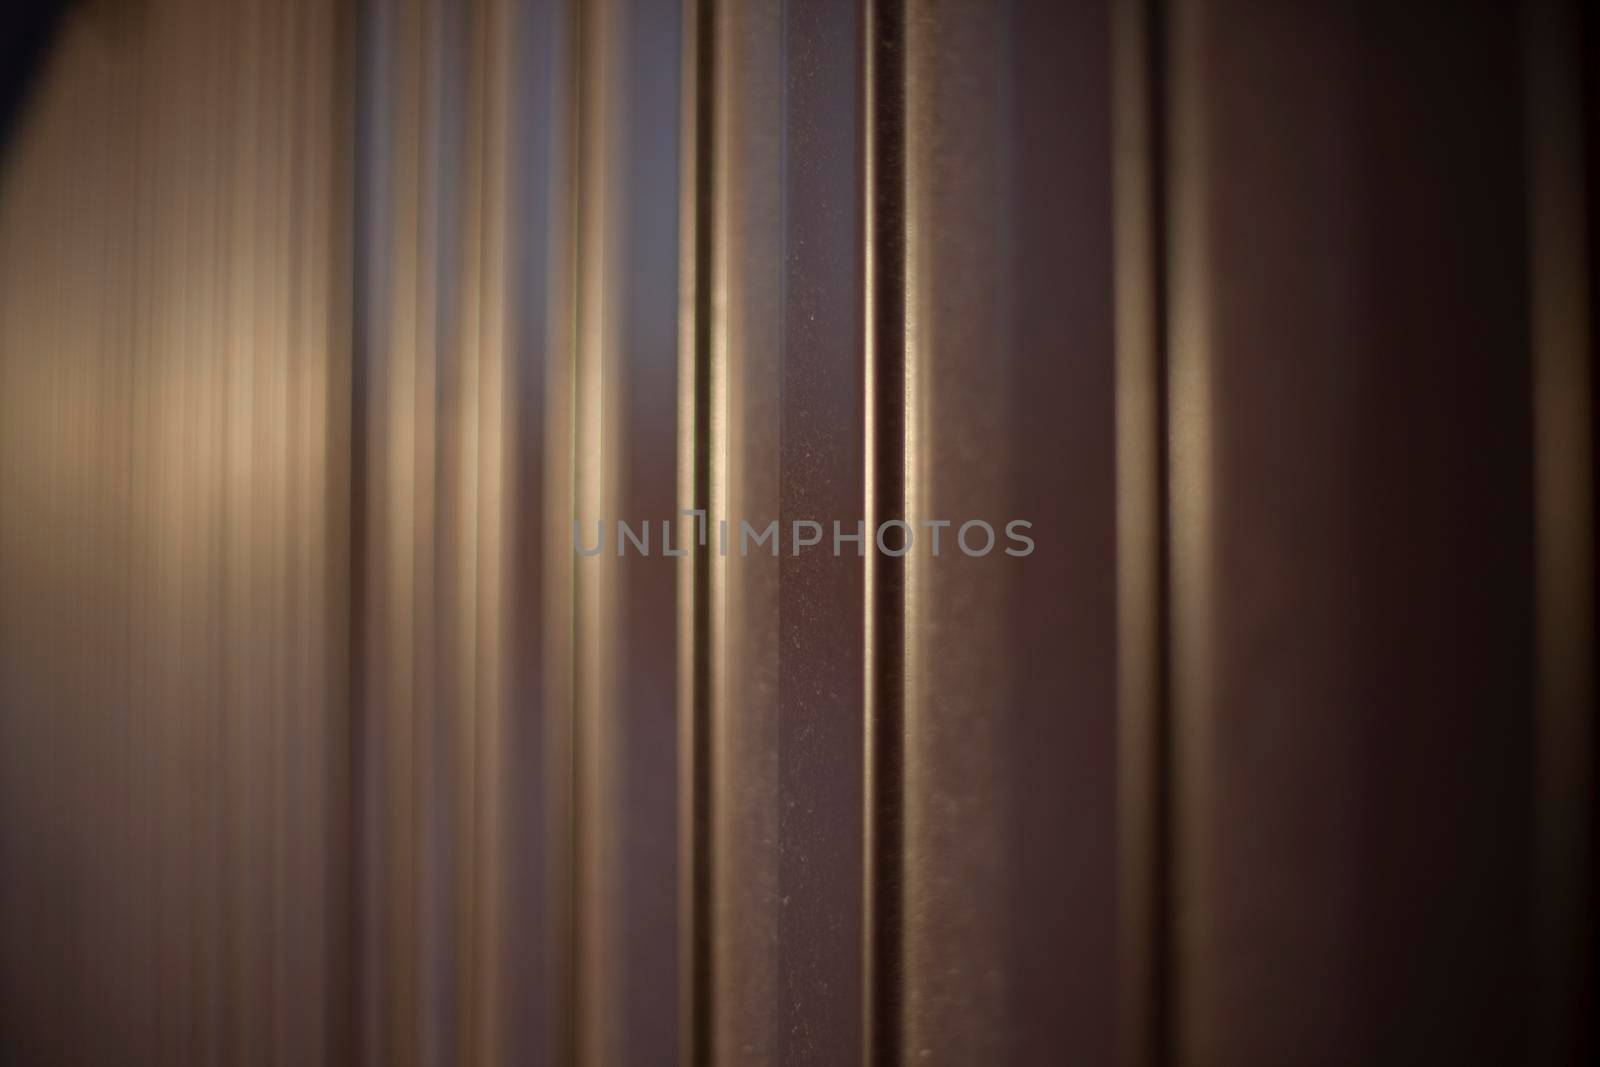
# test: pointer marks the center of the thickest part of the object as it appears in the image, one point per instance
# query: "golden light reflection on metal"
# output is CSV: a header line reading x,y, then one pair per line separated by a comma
x,y
598,759
1190,463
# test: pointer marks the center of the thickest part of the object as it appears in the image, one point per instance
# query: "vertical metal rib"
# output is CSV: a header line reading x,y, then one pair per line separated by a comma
x,y
1183,309
885,501
596,727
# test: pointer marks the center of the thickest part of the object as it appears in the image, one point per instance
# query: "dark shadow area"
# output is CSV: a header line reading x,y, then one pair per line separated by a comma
x,y
27,29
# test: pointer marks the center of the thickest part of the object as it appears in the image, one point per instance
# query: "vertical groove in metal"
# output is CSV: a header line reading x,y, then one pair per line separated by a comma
x,y
699,1023
1144,760
886,484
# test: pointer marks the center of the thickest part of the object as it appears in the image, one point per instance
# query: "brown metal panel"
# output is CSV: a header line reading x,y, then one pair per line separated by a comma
x,y
1010,665
1062,606
786,445
1352,544
170,540
820,474
646,74
744,226
321,741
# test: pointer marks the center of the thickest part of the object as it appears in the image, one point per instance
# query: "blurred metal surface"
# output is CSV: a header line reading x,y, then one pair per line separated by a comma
x,y
1352,554
174,390
320,324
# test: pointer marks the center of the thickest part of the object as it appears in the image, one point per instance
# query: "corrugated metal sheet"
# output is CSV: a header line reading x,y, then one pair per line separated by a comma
x,y
321,325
